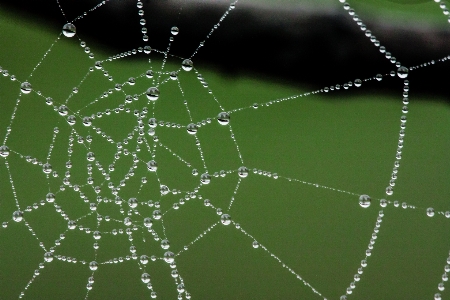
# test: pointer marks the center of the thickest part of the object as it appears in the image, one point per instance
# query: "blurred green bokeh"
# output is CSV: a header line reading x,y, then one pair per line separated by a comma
x,y
345,143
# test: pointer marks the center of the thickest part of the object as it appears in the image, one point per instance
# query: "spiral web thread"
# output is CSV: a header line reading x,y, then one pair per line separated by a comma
x,y
143,146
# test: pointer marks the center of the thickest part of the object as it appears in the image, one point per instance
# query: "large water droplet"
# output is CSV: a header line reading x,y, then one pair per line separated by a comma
x,y
50,197
69,30
132,202
18,216
164,190
48,256
430,212
152,166
4,151
243,172
148,222
223,118
364,201
205,178
93,265
192,128
153,93
174,30
145,278
187,65
402,72
47,168
225,219
169,257
25,87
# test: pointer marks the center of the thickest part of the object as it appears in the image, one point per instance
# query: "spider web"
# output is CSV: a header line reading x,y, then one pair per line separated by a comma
x,y
142,175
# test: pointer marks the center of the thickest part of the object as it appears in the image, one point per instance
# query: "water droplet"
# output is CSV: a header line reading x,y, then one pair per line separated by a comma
x,y
145,277
243,172
389,190
90,156
223,118
174,30
173,75
164,189
169,257
4,151
379,77
157,215
132,202
148,222
97,235
50,197
153,93
47,168
357,82
402,72
225,219
364,201
72,224
383,202
187,65
205,178
255,244
93,265
18,216
144,259
165,244
430,212
69,30
192,128
71,120
152,166
87,121
48,256
63,110
25,87
149,74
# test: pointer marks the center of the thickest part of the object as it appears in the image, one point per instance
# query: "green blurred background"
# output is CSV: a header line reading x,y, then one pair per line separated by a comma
x,y
345,142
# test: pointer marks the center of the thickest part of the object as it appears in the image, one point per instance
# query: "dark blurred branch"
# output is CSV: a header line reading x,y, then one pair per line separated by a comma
x,y
299,45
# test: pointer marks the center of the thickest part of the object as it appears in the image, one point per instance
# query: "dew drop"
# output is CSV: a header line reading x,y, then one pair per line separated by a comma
x,y
187,65
18,216
132,202
148,222
223,118
169,257
4,151
165,244
90,156
364,201
48,256
192,128
152,166
255,244
174,30
25,87
72,224
402,72
243,172
69,30
47,168
225,219
153,93
93,265
50,197
205,178
145,277
164,189
430,212
63,110
357,82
